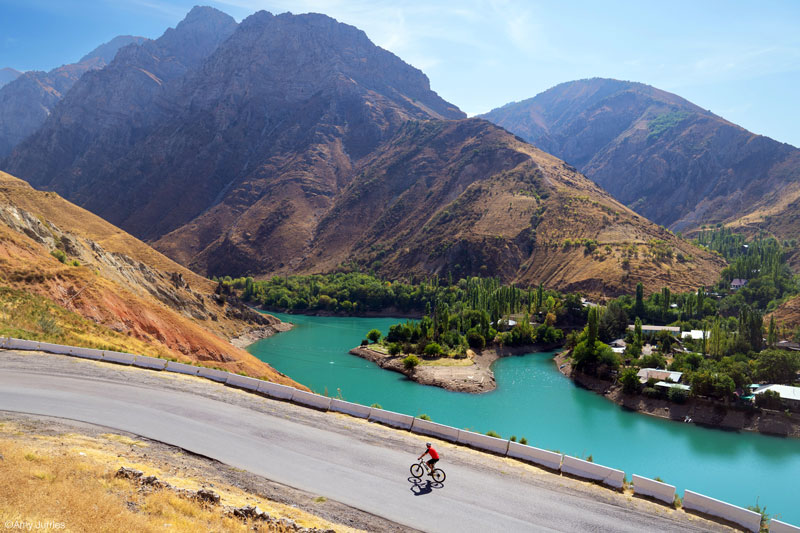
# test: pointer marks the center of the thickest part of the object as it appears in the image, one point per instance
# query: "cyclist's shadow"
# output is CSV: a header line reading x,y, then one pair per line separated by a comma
x,y
422,488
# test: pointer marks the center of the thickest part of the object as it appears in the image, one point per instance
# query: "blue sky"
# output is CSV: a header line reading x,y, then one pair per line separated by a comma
x,y
740,59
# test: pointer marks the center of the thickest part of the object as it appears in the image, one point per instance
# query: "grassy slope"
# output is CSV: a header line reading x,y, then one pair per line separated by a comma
x,y
50,300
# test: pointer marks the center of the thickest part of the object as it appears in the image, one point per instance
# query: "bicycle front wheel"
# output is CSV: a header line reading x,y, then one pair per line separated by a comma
x,y
438,475
417,470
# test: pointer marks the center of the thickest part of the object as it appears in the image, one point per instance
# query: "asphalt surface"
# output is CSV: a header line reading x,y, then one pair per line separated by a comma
x,y
325,454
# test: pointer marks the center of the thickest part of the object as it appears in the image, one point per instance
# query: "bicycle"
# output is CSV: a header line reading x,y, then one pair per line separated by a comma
x,y
417,469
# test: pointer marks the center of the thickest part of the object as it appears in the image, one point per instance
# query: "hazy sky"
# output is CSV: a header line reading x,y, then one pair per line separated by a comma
x,y
740,59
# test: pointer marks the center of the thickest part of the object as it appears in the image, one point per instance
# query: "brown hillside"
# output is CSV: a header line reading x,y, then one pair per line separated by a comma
x,y
467,198
130,303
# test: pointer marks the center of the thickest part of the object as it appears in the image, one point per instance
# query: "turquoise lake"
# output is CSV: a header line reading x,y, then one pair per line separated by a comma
x,y
534,400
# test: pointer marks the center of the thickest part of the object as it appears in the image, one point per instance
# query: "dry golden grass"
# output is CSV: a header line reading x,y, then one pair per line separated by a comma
x,y
69,479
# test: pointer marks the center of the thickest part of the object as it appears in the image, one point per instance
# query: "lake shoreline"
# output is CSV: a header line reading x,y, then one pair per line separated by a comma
x,y
475,378
701,412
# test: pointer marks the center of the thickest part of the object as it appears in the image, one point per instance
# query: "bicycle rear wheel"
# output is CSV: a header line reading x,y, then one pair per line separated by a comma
x,y
438,475
417,470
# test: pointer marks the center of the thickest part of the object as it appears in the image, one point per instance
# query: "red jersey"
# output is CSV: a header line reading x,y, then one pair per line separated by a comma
x,y
433,453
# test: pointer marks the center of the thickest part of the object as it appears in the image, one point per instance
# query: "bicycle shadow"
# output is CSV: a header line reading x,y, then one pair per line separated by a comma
x,y
423,488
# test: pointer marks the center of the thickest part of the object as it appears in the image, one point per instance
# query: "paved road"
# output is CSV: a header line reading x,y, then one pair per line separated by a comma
x,y
319,458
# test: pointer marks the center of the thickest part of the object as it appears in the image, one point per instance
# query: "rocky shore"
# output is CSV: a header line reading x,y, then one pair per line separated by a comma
x,y
256,334
700,411
473,375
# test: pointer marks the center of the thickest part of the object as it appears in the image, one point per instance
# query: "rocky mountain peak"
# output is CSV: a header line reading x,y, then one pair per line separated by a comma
x,y
198,34
8,74
107,51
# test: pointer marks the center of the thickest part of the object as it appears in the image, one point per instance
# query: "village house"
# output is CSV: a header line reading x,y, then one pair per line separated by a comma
x,y
646,374
737,284
673,330
790,396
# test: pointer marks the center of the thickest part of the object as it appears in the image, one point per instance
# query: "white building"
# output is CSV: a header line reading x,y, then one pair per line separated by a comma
x,y
646,374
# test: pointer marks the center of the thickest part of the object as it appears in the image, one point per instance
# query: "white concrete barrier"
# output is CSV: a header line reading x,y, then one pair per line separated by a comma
x,y
390,418
750,520
350,408
213,374
87,353
551,460
243,382
273,390
3,341
311,400
182,368
585,469
776,526
426,427
20,344
483,442
118,357
54,348
655,489
153,363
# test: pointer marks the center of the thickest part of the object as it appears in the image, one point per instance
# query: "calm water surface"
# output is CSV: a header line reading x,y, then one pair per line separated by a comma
x,y
535,401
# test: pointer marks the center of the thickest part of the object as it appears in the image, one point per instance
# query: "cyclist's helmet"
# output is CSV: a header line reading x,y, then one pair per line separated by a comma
x,y
428,444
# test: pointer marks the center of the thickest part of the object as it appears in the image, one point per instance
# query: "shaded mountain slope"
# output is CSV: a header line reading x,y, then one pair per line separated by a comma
x,y
282,107
129,296
663,156
27,100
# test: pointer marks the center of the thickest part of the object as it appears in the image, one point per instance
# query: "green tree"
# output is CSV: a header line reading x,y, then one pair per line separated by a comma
x,y
638,308
630,381
772,335
777,366
374,335
592,328
432,349
410,362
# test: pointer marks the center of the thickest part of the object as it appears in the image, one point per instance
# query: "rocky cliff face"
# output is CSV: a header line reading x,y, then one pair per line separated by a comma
x,y
668,159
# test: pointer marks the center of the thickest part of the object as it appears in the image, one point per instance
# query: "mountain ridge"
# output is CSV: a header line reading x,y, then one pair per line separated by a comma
x,y
297,145
670,160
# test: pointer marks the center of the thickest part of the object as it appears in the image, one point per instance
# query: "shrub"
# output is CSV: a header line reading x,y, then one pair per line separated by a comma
x,y
677,395
395,348
432,349
493,434
60,255
768,400
410,362
424,417
475,339
376,406
513,438
651,392
374,335
630,381
523,441
364,342
75,263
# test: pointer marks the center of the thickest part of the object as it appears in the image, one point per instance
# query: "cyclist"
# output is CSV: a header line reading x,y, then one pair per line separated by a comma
x,y
434,457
